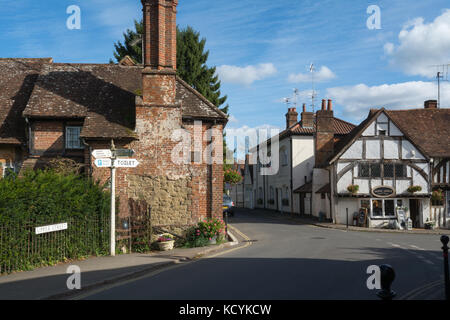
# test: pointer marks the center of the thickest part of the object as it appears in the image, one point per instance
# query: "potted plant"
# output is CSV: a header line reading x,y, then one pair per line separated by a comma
x,y
414,189
353,188
285,202
429,224
271,202
166,242
260,201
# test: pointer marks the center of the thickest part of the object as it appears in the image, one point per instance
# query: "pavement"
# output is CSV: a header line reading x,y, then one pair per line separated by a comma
x,y
51,282
315,222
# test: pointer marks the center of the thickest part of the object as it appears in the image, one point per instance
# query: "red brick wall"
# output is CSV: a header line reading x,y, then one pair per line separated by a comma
x,y
48,136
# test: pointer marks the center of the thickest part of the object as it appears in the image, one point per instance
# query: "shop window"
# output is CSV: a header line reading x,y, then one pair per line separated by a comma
x,y
377,208
388,170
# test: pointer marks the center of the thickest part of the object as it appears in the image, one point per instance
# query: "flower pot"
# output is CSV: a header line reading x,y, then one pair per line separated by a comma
x,y
212,241
166,245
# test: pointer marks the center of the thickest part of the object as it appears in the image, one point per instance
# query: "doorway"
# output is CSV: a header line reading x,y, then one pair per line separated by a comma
x,y
414,210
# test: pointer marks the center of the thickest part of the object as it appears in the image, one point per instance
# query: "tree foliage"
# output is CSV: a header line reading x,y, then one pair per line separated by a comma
x,y
191,61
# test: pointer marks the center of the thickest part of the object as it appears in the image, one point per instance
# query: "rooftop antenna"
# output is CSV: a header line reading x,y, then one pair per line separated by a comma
x,y
312,69
296,93
287,101
441,75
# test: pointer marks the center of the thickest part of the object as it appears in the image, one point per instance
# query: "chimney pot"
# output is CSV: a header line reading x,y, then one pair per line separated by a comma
x,y
330,105
324,102
304,107
291,117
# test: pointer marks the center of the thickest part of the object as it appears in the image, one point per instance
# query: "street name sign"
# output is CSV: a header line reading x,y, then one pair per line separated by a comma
x,y
103,163
126,163
102,153
51,228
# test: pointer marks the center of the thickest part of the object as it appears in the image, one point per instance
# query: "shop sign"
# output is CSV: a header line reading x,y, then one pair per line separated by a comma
x,y
383,192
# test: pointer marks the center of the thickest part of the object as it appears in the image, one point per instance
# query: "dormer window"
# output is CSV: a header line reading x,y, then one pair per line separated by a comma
x,y
381,132
73,140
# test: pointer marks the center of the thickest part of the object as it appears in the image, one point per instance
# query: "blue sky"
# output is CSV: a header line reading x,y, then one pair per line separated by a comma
x,y
263,48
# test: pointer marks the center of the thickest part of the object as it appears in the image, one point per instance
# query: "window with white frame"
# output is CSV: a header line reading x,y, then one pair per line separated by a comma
x,y
73,140
7,170
381,208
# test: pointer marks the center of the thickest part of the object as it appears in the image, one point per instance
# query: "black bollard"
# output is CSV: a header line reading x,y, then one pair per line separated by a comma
x,y
387,277
226,222
444,240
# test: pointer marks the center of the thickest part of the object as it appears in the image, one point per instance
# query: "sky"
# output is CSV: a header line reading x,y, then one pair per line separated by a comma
x,y
367,54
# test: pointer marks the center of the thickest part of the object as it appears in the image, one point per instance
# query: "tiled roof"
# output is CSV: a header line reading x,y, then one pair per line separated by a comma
x,y
17,78
306,188
340,126
102,94
428,128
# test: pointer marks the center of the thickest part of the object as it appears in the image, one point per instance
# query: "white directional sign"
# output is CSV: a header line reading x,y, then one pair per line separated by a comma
x,y
102,153
103,163
126,163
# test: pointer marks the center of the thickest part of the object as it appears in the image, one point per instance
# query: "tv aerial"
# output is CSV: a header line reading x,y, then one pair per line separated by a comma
x,y
441,76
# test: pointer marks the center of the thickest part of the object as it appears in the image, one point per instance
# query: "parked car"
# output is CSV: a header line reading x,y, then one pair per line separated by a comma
x,y
228,205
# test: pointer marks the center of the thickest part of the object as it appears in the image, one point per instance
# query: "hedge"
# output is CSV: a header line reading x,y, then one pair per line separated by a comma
x,y
43,198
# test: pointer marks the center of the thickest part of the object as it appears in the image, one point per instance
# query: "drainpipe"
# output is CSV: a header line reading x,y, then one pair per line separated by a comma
x,y
90,155
292,183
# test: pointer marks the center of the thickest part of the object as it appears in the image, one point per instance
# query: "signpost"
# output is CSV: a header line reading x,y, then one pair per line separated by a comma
x,y
108,159
103,163
102,153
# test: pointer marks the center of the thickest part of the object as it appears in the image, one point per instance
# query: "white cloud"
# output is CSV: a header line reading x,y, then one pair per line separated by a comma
x,y
357,100
422,45
324,74
245,75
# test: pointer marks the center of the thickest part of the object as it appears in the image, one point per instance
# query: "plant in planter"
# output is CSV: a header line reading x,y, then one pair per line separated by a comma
x,y
272,202
285,202
414,189
208,231
166,242
429,224
353,188
260,201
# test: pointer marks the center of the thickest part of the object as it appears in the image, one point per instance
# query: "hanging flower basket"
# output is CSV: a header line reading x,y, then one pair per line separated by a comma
x,y
353,188
414,189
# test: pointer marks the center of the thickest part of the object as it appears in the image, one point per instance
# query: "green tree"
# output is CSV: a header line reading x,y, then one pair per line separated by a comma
x,y
191,61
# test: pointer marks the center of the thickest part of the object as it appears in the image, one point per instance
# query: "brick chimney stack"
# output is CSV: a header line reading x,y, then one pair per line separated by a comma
x,y
160,51
324,134
291,117
307,118
431,104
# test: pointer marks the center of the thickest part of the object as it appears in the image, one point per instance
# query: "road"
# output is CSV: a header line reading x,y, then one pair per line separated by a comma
x,y
289,261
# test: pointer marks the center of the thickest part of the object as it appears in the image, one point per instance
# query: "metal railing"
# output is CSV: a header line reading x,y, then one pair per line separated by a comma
x,y
22,249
